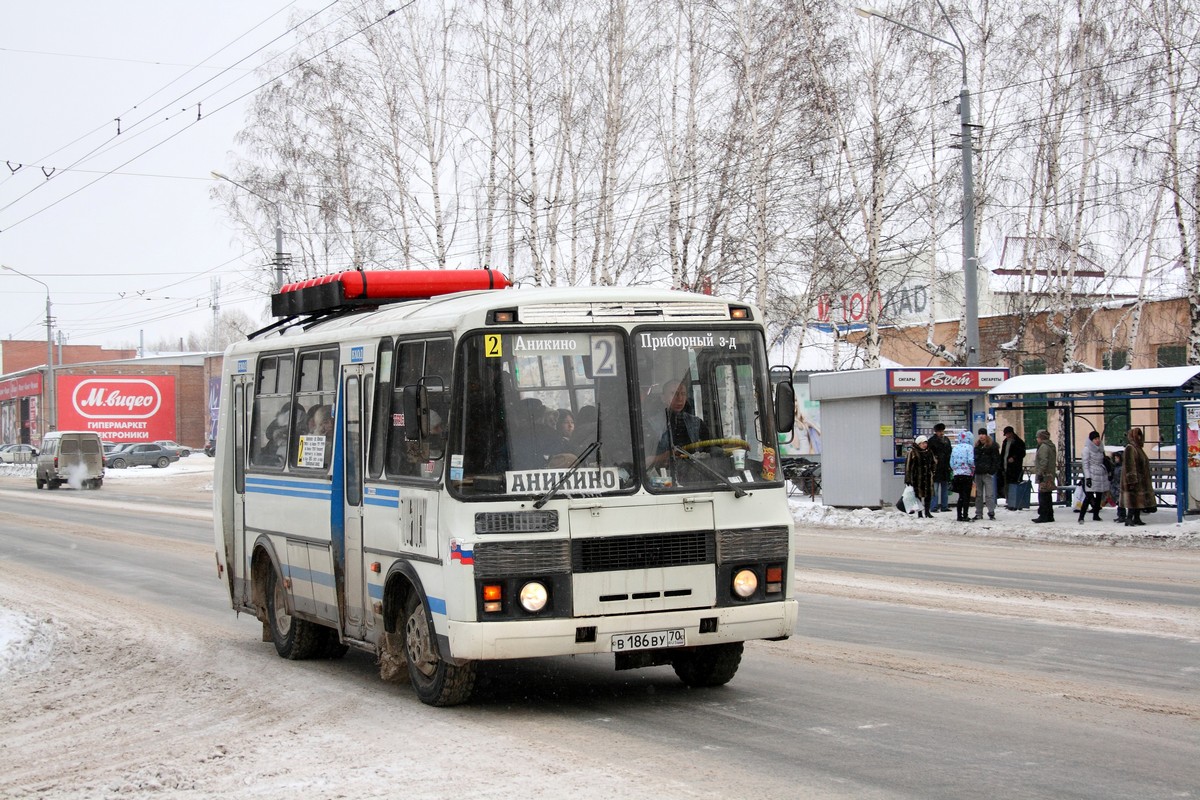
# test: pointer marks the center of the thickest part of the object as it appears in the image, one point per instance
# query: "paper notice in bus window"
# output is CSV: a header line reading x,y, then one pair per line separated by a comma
x,y
312,451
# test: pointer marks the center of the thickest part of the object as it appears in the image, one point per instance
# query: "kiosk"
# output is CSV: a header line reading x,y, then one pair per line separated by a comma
x,y
871,417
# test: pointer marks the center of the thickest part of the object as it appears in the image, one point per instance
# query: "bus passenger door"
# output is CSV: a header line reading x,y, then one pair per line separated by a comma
x,y
238,564
352,438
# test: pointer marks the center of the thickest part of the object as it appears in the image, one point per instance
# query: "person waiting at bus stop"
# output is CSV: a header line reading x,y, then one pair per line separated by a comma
x,y
1045,469
1095,476
987,464
918,473
1137,490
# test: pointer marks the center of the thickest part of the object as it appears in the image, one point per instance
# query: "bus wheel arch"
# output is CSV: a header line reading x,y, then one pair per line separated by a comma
x,y
294,638
436,679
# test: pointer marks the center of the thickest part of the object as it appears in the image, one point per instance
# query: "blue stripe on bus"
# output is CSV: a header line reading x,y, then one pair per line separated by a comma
x,y
385,502
382,491
437,605
314,493
323,483
310,576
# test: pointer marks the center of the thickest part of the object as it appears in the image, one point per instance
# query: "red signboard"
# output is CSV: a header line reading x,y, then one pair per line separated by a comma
x,y
123,408
941,381
25,386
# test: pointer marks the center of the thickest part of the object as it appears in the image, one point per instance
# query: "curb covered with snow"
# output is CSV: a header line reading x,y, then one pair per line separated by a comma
x,y
1160,529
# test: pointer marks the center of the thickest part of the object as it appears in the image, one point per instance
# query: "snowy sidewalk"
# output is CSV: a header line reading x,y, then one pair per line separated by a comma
x,y
1161,527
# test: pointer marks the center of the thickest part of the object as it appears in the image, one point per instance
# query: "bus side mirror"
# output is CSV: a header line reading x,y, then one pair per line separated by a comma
x,y
785,407
433,410
412,413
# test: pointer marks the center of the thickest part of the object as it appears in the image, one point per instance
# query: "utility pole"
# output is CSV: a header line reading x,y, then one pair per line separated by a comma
x,y
216,311
970,260
50,414
280,256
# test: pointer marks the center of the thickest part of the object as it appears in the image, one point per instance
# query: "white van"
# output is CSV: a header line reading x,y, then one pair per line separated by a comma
x,y
73,457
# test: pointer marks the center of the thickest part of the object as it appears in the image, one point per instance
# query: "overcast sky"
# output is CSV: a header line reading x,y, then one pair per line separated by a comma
x,y
124,232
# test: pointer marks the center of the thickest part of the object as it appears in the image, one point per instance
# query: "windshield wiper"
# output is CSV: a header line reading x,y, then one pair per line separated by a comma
x,y
686,456
587,451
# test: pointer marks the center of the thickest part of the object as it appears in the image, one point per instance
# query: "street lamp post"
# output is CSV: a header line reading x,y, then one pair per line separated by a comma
x,y
970,261
52,412
278,225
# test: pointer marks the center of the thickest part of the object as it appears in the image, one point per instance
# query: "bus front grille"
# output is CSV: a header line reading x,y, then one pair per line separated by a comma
x,y
649,551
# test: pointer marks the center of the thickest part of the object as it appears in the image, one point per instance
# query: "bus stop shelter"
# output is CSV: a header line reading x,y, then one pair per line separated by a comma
x,y
1081,397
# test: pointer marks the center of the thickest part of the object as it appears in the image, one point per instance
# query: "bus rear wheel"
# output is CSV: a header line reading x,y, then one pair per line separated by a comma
x,y
711,665
294,638
436,682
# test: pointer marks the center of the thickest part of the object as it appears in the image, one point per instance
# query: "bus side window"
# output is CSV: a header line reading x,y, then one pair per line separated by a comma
x,y
419,363
316,394
381,408
274,412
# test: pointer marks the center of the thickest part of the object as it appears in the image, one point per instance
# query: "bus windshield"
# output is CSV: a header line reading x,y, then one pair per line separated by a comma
x,y
531,404
703,418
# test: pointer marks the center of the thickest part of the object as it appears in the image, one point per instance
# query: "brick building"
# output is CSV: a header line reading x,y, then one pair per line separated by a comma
x,y
124,399
17,355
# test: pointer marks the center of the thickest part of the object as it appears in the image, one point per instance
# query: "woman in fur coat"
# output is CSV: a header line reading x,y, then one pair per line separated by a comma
x,y
1136,490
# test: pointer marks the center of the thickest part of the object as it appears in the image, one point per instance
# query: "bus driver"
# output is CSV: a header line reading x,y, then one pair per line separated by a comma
x,y
682,427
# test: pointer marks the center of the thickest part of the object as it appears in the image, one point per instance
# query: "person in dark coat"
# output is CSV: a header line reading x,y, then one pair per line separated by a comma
x,y
1045,469
918,472
987,464
1137,491
1012,459
940,445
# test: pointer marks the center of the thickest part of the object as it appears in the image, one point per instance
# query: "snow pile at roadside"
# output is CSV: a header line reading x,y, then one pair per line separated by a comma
x,y
1160,528
193,464
25,643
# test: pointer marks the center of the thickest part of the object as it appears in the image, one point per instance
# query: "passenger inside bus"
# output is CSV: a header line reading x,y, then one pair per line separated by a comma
x,y
320,423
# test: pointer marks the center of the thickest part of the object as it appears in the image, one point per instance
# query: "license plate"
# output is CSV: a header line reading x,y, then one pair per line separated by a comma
x,y
650,640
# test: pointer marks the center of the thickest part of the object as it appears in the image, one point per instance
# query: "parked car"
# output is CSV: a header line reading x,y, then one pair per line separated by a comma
x,y
180,450
18,454
136,455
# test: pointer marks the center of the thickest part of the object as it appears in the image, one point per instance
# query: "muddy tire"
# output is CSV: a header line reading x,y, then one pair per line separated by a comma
x,y
118,463
295,639
436,682
712,665
163,462
41,484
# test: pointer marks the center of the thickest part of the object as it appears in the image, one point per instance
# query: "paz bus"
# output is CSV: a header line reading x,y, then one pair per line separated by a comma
x,y
442,470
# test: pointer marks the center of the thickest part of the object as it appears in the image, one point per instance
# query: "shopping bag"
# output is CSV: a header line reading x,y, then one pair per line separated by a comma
x,y
1080,496
909,500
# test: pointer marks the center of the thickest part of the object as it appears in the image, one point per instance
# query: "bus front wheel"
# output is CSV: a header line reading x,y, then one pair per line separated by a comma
x,y
711,665
294,638
436,682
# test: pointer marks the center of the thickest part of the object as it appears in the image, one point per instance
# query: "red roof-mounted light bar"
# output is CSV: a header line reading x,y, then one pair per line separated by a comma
x,y
357,288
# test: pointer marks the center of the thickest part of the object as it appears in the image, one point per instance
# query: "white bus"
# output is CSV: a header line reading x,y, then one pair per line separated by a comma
x,y
440,469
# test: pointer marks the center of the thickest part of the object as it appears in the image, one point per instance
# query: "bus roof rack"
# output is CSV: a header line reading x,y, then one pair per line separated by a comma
x,y
355,289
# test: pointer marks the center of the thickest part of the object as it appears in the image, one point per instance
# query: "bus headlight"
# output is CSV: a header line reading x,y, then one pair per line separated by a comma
x,y
534,597
745,583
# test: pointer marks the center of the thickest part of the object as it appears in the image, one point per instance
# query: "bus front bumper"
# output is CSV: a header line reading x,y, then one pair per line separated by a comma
x,y
534,638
